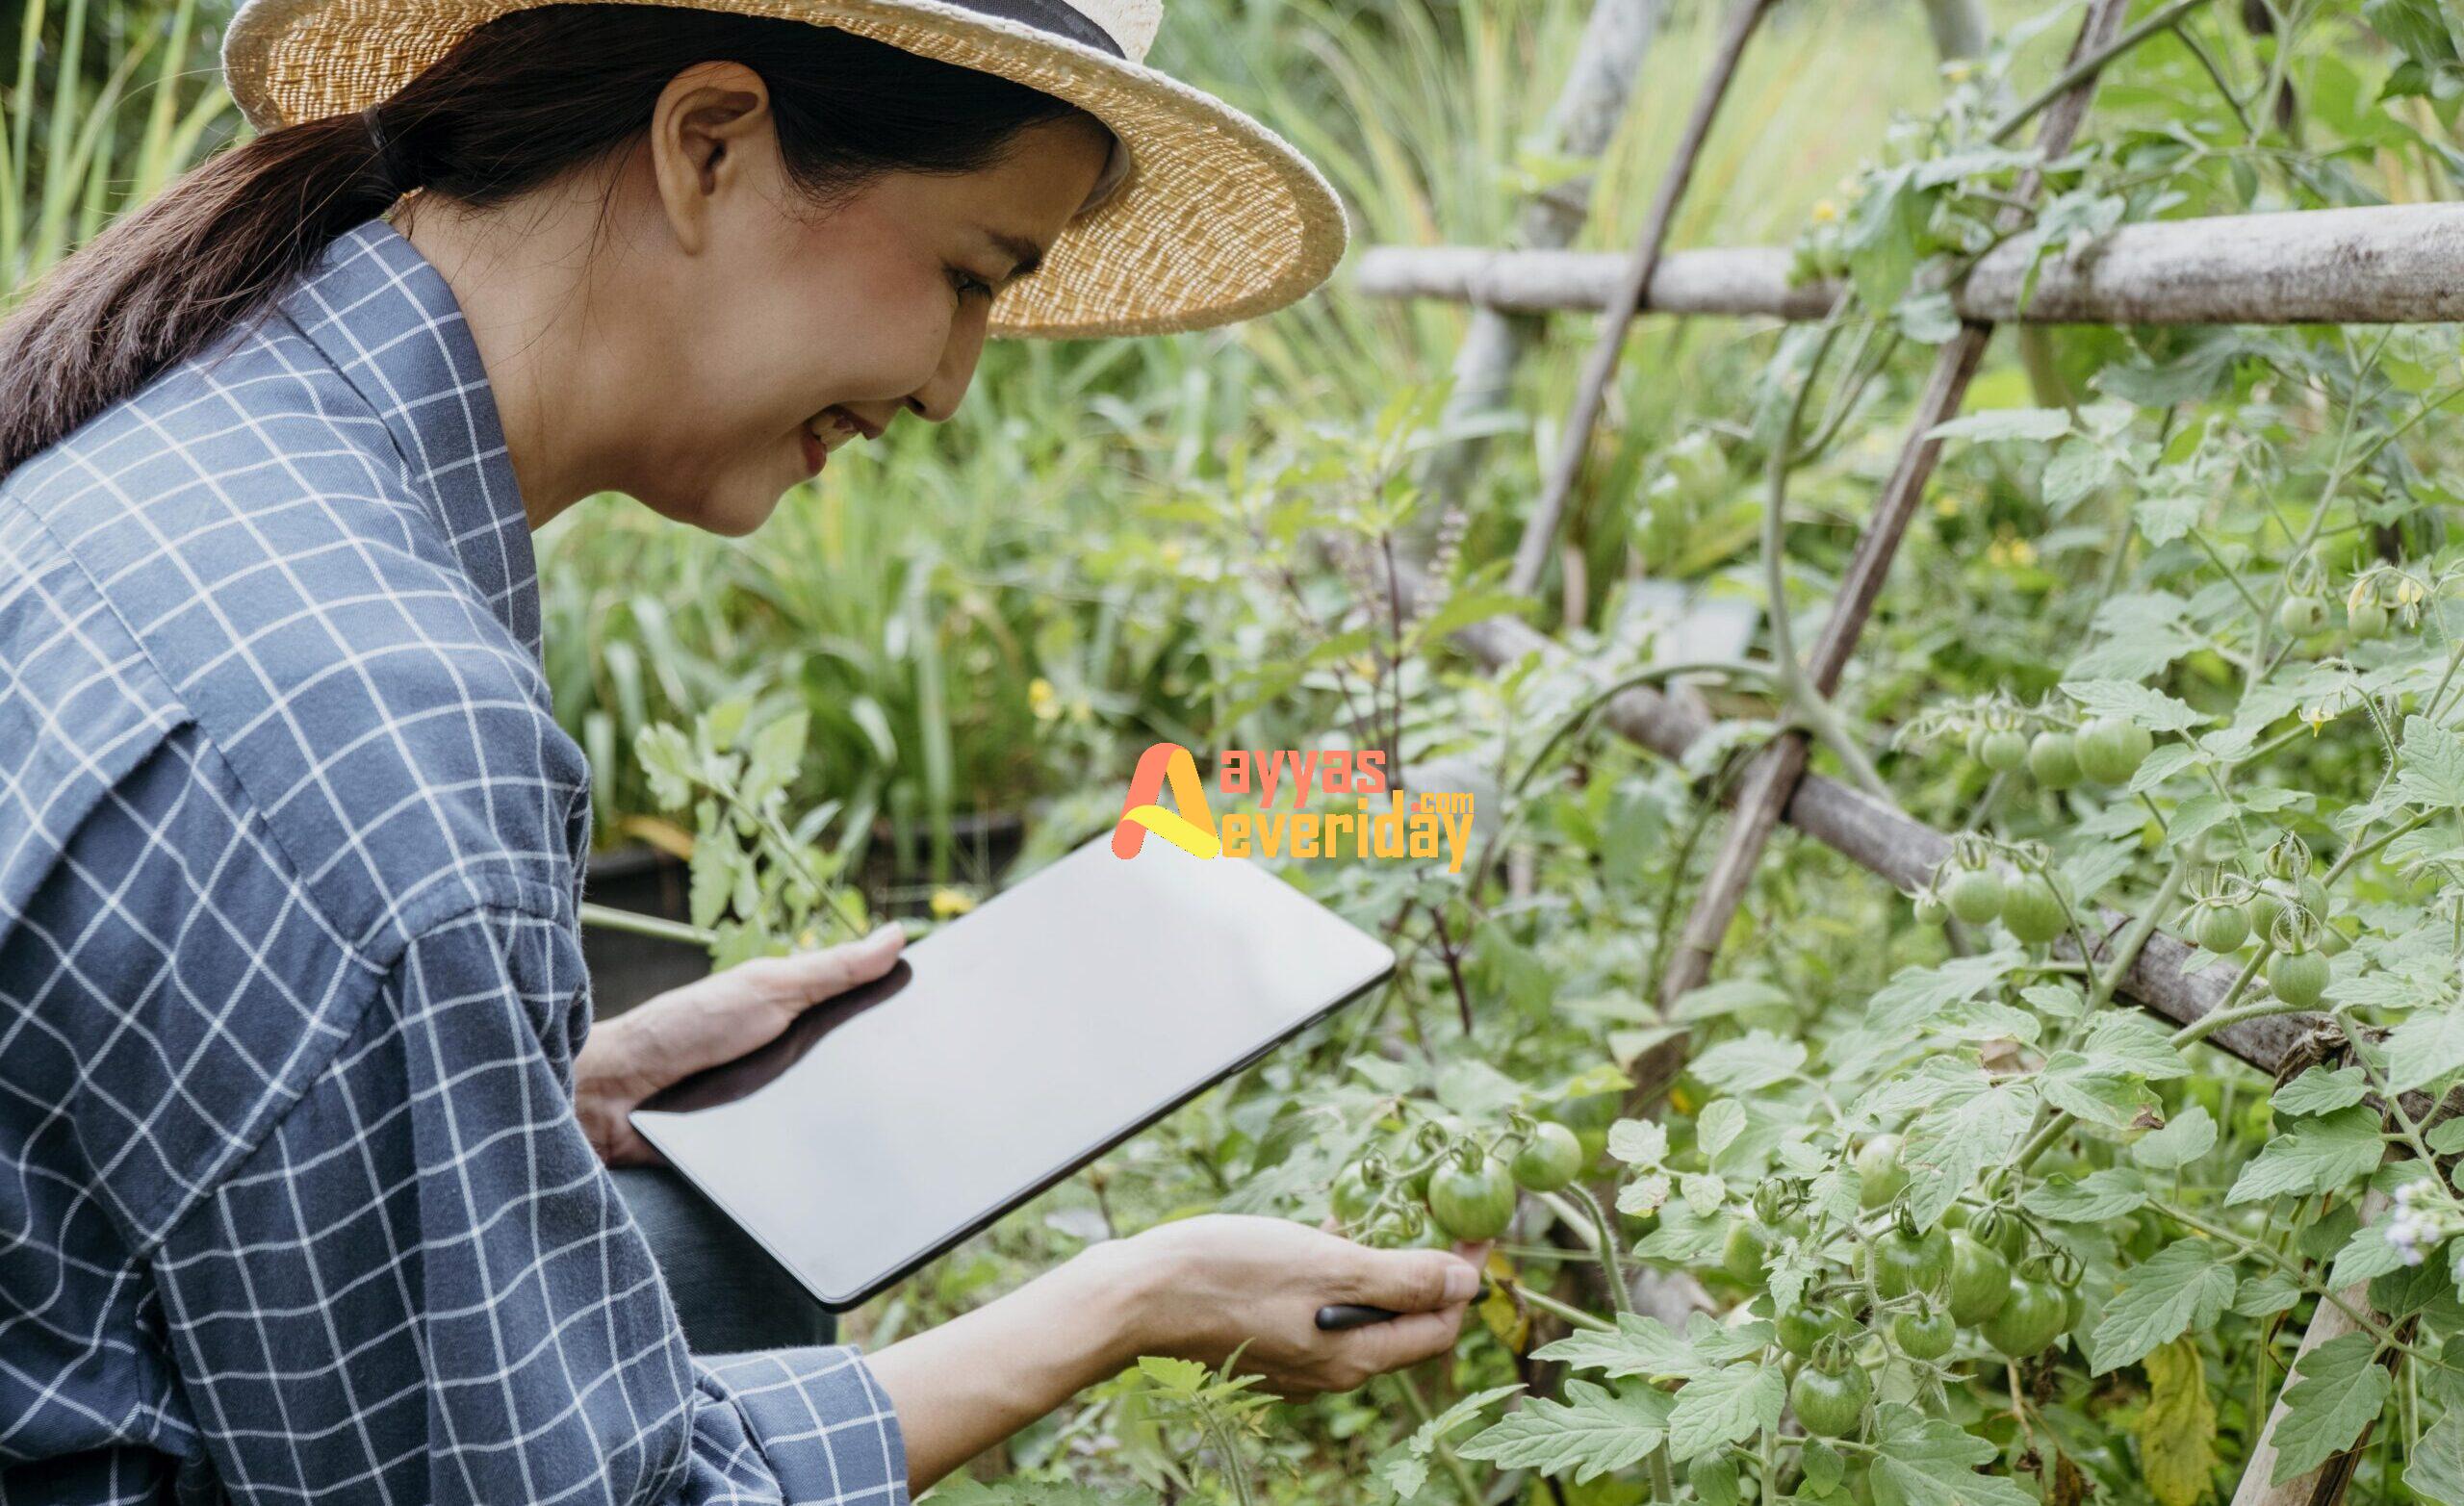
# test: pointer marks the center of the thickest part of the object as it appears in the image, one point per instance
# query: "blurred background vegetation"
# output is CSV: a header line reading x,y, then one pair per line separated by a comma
x,y
987,616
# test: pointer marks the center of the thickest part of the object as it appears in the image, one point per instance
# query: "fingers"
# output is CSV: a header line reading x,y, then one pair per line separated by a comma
x,y
1412,1281
804,978
1406,1340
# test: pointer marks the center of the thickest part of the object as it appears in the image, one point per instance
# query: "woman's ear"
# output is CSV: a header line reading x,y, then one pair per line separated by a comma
x,y
709,124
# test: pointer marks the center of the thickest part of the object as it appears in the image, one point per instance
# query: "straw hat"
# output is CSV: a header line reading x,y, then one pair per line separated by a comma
x,y
1203,215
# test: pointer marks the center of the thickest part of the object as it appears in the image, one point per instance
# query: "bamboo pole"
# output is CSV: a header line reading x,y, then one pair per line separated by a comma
x,y
2324,1484
1634,280
1615,40
2394,264
1771,779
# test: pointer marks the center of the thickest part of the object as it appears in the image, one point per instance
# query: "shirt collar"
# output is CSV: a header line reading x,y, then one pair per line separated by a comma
x,y
390,324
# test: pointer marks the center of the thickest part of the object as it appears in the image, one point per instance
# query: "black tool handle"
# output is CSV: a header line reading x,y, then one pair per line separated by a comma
x,y
1338,1315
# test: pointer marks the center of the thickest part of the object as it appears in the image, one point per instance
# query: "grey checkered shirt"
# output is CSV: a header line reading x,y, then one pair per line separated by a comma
x,y
293,1202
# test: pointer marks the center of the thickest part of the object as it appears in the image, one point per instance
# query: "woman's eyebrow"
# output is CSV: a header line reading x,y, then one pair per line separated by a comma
x,y
1025,253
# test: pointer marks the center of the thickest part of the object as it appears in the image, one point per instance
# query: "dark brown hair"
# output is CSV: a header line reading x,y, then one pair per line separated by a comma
x,y
517,102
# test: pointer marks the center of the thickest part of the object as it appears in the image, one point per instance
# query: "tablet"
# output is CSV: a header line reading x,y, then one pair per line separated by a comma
x,y
1002,1053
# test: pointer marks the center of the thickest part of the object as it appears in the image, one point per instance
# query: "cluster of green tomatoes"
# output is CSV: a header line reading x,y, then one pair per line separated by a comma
x,y
1972,885
2104,749
1901,1290
1444,1181
2288,910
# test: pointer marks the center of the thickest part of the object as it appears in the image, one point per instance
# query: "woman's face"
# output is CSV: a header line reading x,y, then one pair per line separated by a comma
x,y
779,330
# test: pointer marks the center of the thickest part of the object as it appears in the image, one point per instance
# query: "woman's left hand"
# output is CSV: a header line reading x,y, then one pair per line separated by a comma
x,y
665,1039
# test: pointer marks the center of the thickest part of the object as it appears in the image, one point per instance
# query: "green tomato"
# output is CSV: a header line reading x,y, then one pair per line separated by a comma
x,y
2369,620
1930,909
1974,895
1927,1335
1801,1329
1354,1199
2298,978
1551,1158
2301,616
2032,909
2220,927
1882,1177
1980,1279
2053,759
1831,1402
2111,750
1746,1254
2032,1318
2003,750
1472,1204
2264,905
2003,1233
2332,941
1904,1262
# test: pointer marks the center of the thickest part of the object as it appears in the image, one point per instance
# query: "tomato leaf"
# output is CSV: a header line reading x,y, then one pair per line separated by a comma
x,y
2186,1283
1594,1430
2191,1136
2431,765
2177,1428
1723,1407
2322,1091
2317,1154
2435,1469
1752,1062
1922,1461
2337,1389
1638,1346
2098,1197
2153,709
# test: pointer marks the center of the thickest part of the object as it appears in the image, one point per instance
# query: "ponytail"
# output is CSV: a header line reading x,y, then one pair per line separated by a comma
x,y
160,284
525,96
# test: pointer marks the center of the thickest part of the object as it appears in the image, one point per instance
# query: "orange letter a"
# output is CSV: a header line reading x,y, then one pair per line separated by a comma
x,y
1191,829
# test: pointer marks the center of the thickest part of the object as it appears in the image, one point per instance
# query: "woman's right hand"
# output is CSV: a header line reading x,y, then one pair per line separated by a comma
x,y
1196,1289
1212,1284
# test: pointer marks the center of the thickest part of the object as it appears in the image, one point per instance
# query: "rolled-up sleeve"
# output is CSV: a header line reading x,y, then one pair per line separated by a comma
x,y
423,1286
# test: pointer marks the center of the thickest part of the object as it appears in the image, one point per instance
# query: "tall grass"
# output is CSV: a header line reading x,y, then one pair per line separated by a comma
x,y
97,122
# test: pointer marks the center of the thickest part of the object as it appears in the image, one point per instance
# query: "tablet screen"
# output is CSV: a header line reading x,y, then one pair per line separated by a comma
x,y
1002,1053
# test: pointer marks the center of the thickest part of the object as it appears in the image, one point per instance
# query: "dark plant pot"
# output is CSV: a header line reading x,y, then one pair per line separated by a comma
x,y
626,969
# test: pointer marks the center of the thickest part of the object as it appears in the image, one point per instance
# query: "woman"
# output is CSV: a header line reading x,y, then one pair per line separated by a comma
x,y
295,1199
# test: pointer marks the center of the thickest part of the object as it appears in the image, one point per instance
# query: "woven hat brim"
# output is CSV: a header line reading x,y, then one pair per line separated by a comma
x,y
1221,218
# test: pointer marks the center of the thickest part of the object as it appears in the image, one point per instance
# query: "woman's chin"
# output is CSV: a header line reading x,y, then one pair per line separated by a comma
x,y
730,511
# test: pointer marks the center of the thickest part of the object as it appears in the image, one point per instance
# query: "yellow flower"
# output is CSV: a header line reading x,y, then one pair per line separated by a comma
x,y
1825,212
2362,591
2408,591
1946,505
2317,716
947,903
1040,699
2022,553
1171,553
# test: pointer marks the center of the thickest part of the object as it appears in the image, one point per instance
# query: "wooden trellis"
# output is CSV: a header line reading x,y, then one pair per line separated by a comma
x,y
2397,265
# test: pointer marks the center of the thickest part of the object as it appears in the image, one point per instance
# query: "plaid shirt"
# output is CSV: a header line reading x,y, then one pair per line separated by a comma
x,y
293,1202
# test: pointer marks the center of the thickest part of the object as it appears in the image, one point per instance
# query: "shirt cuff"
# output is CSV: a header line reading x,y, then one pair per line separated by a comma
x,y
822,1422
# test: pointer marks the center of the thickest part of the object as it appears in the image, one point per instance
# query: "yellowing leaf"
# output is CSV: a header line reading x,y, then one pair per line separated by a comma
x,y
2177,1428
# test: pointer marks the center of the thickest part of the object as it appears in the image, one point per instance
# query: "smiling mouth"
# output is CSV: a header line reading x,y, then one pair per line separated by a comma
x,y
835,425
